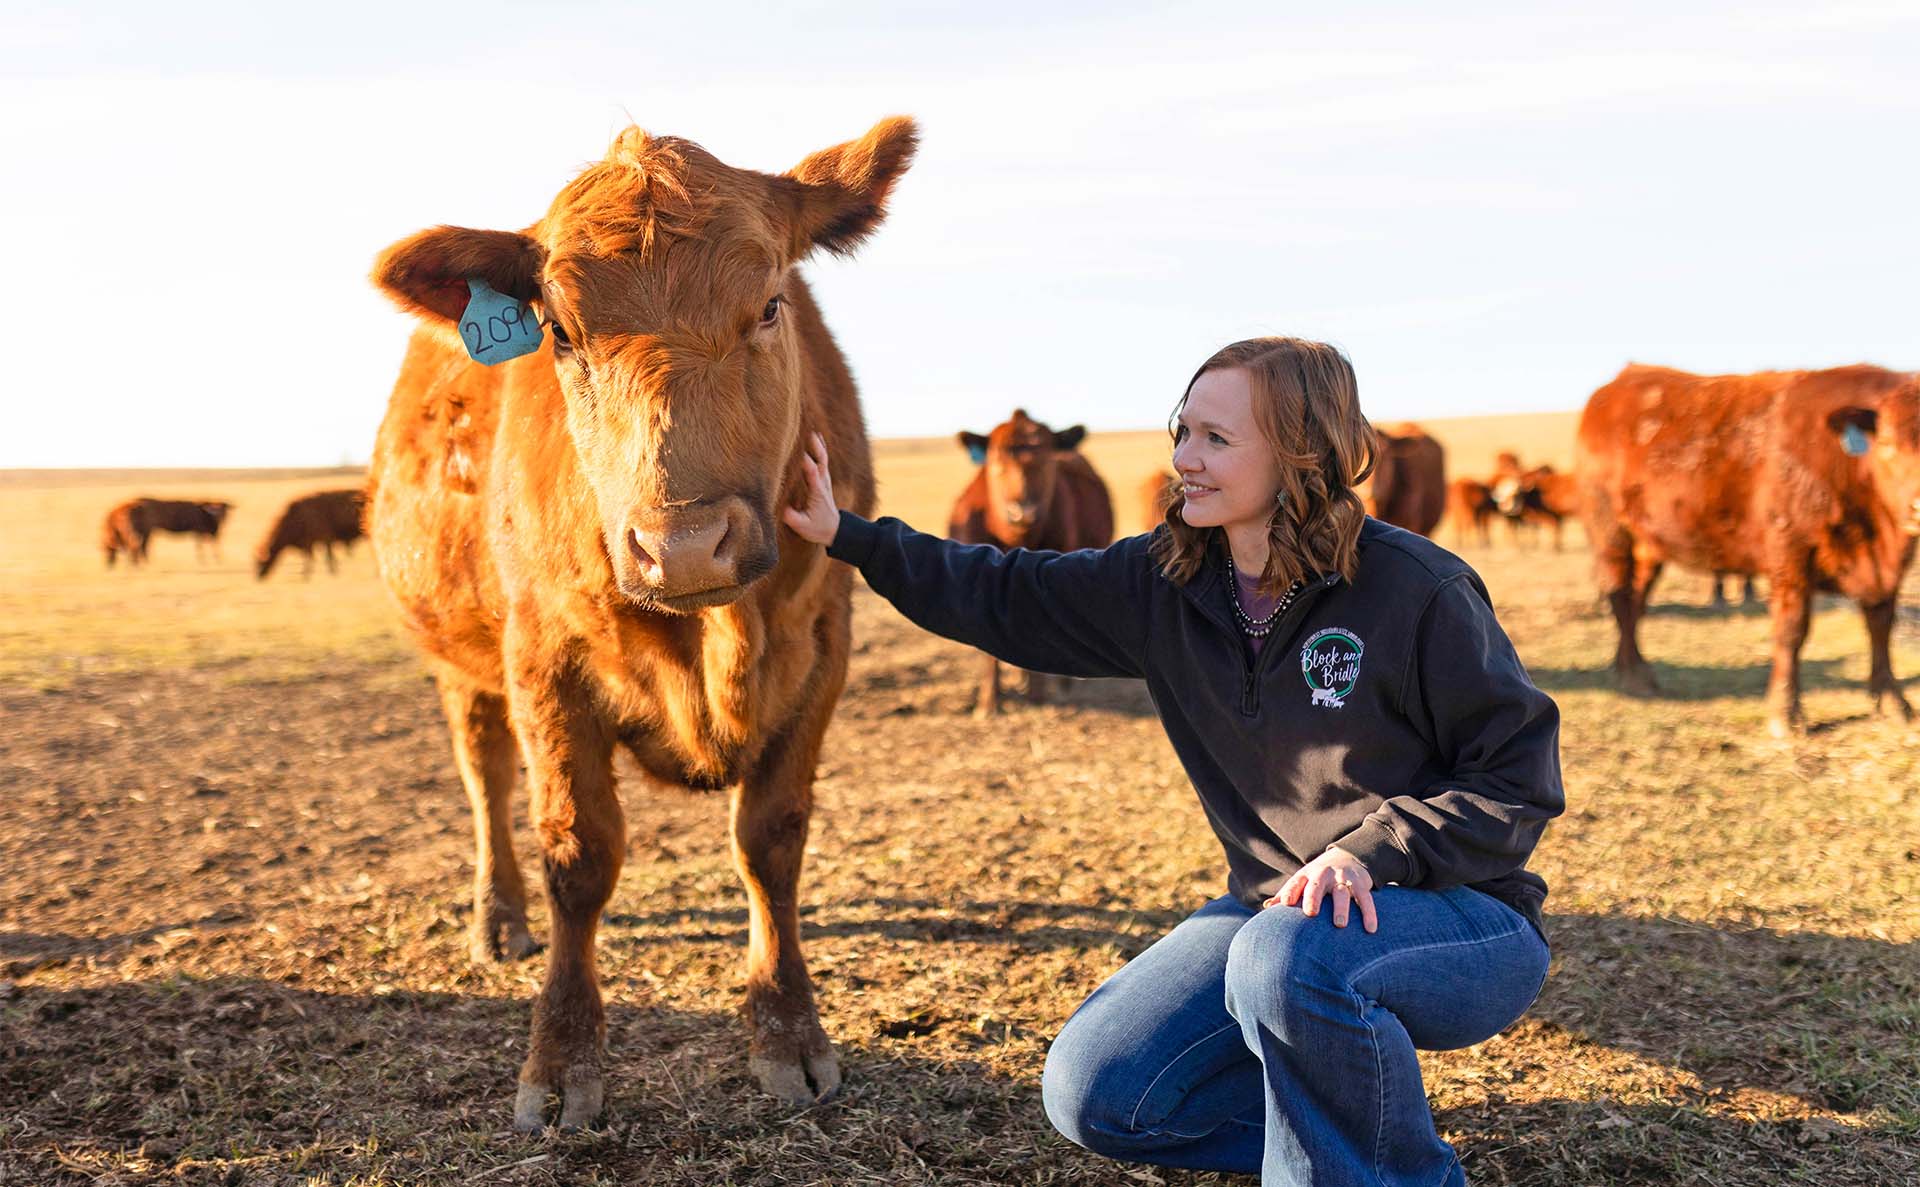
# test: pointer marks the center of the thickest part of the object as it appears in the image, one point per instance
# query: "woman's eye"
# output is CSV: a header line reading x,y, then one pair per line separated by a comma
x,y
1216,438
771,313
1180,434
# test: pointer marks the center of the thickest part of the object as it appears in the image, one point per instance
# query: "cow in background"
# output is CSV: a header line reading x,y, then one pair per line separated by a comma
x,y
1810,477
1471,505
131,525
1408,487
1536,497
1033,490
1156,494
586,541
318,520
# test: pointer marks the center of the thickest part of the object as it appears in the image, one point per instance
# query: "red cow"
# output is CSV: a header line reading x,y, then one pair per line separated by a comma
x,y
1032,490
1470,504
1811,477
586,540
130,525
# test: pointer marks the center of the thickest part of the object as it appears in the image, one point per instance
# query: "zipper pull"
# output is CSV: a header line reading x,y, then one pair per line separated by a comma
x,y
1248,703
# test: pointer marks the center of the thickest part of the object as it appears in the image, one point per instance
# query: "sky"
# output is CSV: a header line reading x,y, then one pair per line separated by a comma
x,y
1490,207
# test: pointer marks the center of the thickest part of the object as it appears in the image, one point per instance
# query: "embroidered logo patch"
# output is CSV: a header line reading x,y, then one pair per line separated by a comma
x,y
1330,664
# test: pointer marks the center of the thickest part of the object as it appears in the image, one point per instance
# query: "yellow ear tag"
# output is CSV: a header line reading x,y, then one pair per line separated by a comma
x,y
496,327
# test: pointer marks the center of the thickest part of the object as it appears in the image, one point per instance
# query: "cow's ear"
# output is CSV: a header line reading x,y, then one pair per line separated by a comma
x,y
974,444
1866,420
427,273
839,195
1855,426
1070,438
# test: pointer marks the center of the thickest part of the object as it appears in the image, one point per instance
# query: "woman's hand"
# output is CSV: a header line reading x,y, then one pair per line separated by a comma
x,y
1335,873
818,519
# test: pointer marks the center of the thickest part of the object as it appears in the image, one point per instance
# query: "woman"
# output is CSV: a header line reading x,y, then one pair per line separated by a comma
x,y
1403,768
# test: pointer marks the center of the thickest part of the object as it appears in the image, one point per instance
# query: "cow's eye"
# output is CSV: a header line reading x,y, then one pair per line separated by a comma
x,y
771,313
560,340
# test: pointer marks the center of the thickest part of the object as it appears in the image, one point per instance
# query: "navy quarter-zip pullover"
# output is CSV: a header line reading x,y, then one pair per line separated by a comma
x,y
1388,716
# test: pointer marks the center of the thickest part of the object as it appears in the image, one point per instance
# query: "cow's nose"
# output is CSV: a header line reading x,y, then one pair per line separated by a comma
x,y
688,551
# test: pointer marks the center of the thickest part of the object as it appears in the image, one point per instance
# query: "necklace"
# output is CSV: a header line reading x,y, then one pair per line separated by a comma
x,y
1258,628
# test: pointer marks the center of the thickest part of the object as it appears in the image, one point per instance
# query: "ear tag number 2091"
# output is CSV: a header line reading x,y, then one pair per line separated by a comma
x,y
495,327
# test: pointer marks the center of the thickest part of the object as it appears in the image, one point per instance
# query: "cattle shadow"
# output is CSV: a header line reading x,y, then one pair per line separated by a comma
x,y
23,951
1698,682
1698,611
1005,922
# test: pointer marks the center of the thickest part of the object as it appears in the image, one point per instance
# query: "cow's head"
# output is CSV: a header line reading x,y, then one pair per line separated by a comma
x,y
1887,438
661,275
216,510
1022,461
1512,486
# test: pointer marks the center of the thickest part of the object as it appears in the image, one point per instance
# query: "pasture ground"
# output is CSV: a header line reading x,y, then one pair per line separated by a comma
x,y
234,861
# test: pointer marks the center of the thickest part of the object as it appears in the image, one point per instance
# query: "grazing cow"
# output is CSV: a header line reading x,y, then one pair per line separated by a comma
x,y
314,521
586,540
1408,487
1033,490
1538,496
131,525
1810,477
1470,504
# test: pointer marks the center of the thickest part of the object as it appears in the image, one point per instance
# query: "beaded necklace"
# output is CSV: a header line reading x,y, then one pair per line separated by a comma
x,y
1258,628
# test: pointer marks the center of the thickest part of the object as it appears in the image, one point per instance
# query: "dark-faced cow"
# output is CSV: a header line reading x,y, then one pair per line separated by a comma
x,y
1810,477
1032,490
587,541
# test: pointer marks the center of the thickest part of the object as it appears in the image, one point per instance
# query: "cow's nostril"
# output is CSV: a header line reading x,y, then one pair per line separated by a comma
x,y
723,551
638,549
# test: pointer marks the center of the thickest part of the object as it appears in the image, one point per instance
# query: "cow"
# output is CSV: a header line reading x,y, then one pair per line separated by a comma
x,y
318,520
1810,477
1470,504
1156,494
1033,489
1530,498
130,525
586,542
1408,487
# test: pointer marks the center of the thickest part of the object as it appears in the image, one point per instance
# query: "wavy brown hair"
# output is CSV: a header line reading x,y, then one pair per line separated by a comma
x,y
1307,404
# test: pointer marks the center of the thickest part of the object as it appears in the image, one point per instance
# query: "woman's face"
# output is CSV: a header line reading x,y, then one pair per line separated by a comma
x,y
1228,471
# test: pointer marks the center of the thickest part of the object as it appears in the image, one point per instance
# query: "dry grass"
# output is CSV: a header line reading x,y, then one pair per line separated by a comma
x,y
233,859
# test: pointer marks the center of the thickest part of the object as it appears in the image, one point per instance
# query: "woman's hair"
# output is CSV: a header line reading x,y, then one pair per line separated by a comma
x,y
1307,406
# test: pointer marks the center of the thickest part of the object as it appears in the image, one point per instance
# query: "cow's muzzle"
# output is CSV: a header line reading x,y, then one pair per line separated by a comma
x,y
687,557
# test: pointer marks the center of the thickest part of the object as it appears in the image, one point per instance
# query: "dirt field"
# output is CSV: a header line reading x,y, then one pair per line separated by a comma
x,y
234,863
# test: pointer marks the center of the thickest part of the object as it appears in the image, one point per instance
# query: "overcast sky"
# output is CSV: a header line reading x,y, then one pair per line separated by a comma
x,y
1491,207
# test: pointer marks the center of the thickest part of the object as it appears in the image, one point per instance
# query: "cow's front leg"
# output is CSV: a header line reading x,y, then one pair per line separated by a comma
x,y
988,702
1881,684
789,1054
569,752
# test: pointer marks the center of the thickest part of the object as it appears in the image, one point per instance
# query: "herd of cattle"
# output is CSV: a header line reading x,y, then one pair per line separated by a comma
x,y
318,520
584,541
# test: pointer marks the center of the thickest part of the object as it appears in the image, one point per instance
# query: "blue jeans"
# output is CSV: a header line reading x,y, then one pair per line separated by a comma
x,y
1275,1042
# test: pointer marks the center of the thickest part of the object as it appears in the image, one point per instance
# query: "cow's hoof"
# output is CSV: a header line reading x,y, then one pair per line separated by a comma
x,y
985,712
1784,728
801,1079
504,941
580,1103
